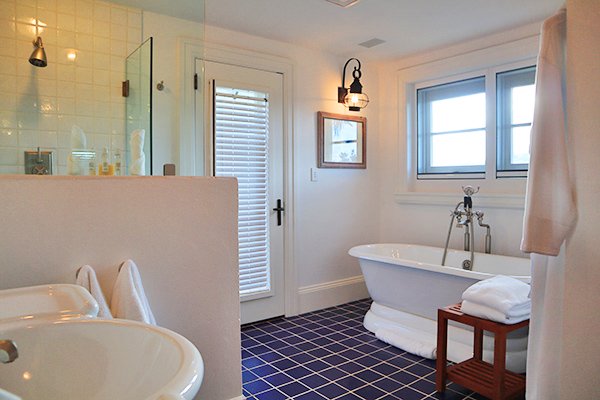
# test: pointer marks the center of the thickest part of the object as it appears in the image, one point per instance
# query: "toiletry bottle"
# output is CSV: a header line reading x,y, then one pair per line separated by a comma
x,y
104,167
92,164
117,162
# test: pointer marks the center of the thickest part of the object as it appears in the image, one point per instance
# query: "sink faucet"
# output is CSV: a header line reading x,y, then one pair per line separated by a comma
x,y
8,351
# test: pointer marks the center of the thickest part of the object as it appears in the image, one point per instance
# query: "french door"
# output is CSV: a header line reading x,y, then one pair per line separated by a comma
x,y
246,108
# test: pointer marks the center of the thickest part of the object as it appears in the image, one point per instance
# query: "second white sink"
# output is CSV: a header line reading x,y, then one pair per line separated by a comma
x,y
54,301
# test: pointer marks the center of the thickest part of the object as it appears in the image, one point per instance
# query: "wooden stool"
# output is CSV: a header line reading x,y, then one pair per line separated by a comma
x,y
492,381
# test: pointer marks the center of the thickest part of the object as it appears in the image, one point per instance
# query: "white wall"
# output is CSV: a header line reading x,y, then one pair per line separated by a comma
x,y
580,347
417,212
181,233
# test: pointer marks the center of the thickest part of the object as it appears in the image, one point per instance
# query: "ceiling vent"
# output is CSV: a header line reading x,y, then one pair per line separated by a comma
x,y
344,3
372,43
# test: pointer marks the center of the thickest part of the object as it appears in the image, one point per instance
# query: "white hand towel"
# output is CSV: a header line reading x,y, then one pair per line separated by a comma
x,y
78,142
508,295
129,299
86,277
479,310
138,158
421,344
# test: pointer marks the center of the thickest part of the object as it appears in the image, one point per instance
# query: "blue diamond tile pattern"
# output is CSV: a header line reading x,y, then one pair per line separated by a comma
x,y
328,354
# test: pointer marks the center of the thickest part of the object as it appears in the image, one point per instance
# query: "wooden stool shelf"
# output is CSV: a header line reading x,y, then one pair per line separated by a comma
x,y
492,381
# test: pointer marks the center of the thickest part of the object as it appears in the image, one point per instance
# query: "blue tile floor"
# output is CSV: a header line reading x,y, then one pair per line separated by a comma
x,y
328,354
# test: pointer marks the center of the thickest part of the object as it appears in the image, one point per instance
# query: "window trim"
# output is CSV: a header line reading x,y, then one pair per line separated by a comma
x,y
412,121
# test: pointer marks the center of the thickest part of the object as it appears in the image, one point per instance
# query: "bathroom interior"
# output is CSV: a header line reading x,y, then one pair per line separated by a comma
x,y
128,95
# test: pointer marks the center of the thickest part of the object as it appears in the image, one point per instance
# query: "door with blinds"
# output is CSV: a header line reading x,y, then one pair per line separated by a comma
x,y
247,143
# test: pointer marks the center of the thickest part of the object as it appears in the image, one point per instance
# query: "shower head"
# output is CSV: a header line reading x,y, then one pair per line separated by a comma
x,y
38,57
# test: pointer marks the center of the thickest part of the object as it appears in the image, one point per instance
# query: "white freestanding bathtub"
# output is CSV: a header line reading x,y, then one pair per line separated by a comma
x,y
408,284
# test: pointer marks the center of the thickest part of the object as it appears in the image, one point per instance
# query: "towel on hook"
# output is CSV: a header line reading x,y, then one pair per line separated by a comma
x,y
128,298
86,277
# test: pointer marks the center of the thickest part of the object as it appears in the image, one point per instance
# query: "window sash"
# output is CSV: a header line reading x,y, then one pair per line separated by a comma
x,y
425,98
505,82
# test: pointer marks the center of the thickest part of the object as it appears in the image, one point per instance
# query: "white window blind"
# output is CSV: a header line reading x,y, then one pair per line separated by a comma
x,y
241,137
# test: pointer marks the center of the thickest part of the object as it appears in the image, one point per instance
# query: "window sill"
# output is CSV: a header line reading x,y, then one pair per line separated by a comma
x,y
507,201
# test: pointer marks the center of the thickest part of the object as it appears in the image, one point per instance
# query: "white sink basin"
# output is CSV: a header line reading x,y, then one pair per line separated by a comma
x,y
54,301
96,359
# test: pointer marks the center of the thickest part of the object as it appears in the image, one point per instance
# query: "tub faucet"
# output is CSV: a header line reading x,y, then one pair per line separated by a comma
x,y
464,215
488,235
8,351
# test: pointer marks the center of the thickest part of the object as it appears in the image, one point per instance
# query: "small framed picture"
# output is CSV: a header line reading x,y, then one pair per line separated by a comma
x,y
341,141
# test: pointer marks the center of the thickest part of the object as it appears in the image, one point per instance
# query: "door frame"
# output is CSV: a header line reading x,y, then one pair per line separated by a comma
x,y
189,145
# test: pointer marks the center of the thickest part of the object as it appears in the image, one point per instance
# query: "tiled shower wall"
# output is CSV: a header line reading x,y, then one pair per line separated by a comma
x,y
39,106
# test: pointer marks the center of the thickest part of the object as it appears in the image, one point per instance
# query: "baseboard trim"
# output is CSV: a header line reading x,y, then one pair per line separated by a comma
x,y
333,293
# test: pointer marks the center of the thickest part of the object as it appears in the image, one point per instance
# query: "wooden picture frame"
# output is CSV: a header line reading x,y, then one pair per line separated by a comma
x,y
341,141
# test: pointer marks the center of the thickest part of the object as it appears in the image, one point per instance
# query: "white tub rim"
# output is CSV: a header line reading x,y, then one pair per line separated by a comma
x,y
358,252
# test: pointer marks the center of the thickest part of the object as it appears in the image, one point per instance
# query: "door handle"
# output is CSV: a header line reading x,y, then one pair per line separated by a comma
x,y
279,209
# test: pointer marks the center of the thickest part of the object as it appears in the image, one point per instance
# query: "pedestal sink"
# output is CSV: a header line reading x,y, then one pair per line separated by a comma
x,y
96,359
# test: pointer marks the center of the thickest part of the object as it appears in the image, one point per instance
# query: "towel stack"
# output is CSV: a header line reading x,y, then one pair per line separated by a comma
x,y
501,298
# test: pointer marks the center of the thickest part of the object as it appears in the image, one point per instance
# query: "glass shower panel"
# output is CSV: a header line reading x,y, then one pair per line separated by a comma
x,y
138,110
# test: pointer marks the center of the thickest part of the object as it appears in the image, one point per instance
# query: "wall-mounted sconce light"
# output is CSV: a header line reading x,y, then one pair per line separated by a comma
x,y
38,57
352,98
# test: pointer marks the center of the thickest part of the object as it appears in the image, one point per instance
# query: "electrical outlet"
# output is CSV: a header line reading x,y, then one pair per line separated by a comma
x,y
314,176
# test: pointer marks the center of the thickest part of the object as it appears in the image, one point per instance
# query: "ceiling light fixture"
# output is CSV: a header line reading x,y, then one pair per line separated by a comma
x,y
353,98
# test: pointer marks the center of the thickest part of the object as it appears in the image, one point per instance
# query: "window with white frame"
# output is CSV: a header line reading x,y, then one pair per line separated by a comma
x,y
454,118
515,98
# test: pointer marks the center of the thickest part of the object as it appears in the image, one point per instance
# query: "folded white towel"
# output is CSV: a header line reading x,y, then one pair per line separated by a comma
x,y
129,299
479,310
416,343
508,295
86,277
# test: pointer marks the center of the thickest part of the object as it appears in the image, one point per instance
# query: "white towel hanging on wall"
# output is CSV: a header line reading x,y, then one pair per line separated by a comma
x,y
86,277
129,299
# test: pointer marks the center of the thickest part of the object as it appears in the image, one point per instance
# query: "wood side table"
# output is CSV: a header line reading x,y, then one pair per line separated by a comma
x,y
492,381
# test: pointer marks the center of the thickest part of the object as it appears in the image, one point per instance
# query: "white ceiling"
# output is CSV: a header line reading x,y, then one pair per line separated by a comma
x,y
407,26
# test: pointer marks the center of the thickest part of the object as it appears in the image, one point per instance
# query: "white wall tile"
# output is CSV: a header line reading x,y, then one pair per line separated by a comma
x,y
84,8
118,15
9,138
65,21
8,156
47,4
28,139
101,12
8,11
44,103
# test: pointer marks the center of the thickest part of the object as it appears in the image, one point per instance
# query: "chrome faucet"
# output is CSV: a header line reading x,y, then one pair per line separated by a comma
x,y
8,351
463,214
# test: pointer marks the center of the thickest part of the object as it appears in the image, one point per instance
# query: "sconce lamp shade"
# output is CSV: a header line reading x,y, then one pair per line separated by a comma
x,y
38,57
353,98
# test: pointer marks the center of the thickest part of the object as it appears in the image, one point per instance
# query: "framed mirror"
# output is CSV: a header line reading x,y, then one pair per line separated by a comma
x,y
341,141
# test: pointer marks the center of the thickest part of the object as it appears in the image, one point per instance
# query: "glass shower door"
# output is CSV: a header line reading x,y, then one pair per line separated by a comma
x,y
138,110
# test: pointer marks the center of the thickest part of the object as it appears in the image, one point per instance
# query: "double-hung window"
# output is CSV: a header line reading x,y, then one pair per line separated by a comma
x,y
455,118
